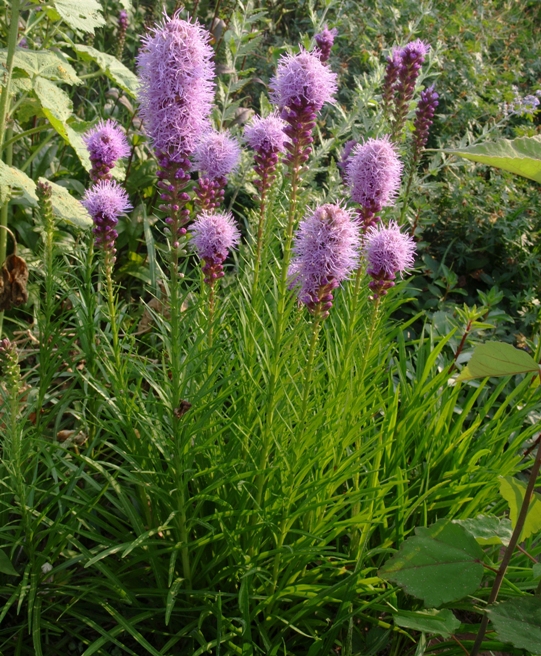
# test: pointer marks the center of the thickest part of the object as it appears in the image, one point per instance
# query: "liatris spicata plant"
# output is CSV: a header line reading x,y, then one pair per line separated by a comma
x,y
266,136
345,158
412,57
106,144
394,64
388,252
424,117
216,156
374,173
324,41
325,253
121,34
177,89
105,202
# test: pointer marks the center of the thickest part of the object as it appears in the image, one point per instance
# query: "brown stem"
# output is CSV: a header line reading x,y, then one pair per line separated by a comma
x,y
460,346
509,550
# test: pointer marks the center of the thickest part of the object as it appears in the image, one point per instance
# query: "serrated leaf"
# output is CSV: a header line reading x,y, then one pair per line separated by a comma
x,y
42,63
518,621
497,359
513,491
439,564
65,206
114,69
487,529
53,99
438,622
521,156
5,565
71,135
81,16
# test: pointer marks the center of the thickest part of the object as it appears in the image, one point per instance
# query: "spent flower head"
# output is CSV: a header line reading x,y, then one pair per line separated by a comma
x,y
326,250
106,143
217,154
374,172
303,80
176,71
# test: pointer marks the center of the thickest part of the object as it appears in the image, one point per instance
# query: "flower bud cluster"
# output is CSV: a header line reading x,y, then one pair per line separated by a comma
x,y
173,177
324,41
121,34
9,365
424,117
44,193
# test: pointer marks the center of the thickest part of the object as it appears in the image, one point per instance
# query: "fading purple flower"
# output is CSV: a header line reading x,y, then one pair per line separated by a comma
x,y
302,80
325,40
374,173
424,117
217,154
325,252
106,143
176,71
388,252
214,235
105,202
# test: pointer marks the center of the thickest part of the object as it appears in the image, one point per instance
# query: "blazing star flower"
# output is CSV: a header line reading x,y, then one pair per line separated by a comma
x,y
266,134
214,235
177,89
388,252
325,252
324,41
105,202
106,143
411,57
302,81
424,117
345,158
374,174
392,71
121,34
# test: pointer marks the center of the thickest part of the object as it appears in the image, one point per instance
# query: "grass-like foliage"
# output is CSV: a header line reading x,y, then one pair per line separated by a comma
x,y
228,427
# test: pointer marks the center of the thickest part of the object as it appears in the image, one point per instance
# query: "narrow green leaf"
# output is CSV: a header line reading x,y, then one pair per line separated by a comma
x,y
439,564
521,156
171,596
513,492
5,565
497,359
438,622
487,529
518,621
536,571
114,69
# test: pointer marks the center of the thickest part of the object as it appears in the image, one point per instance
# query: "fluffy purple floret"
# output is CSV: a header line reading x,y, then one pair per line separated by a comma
x,y
324,41
266,135
106,198
388,251
123,19
325,252
374,172
176,71
106,143
217,154
303,80
415,51
214,235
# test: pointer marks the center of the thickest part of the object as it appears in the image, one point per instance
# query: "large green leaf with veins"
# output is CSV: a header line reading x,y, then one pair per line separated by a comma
x,y
497,359
80,15
518,621
114,69
521,156
42,63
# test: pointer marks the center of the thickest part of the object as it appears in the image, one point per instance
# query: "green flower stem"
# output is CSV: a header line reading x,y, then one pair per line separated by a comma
x,y
8,72
534,473
4,219
259,243
210,330
111,303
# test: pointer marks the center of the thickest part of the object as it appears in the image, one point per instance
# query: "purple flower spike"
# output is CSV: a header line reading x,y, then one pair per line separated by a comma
x,y
177,89
214,235
267,137
121,35
374,173
388,252
412,57
325,253
105,202
424,117
324,41
217,154
106,143
345,158
394,64
176,71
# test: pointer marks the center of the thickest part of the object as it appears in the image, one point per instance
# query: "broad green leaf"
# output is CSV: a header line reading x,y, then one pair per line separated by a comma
x,y
513,492
518,621
439,564
114,69
497,359
65,206
521,156
43,63
5,565
71,135
488,530
53,100
82,16
439,622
